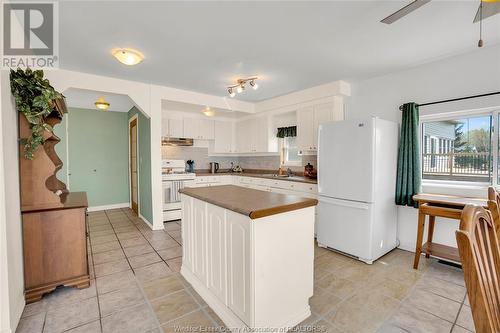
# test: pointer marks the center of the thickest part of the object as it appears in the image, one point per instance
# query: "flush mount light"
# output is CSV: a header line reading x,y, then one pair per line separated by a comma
x,y
101,104
240,85
207,111
128,57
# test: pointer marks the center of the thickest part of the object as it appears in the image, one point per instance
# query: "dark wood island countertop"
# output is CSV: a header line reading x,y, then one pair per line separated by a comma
x,y
250,202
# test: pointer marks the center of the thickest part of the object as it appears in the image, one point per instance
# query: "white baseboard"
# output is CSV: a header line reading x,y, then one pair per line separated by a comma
x,y
106,207
149,224
232,322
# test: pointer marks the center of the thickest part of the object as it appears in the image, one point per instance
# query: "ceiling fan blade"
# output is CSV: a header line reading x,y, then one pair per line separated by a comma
x,y
405,11
489,9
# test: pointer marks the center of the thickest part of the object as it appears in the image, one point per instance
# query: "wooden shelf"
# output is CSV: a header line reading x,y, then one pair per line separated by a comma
x,y
442,251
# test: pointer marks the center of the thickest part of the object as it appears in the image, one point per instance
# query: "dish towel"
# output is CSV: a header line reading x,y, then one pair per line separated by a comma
x,y
174,190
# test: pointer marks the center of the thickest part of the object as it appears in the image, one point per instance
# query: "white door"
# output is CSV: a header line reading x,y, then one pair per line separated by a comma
x,y
216,235
346,160
305,120
345,226
199,229
239,260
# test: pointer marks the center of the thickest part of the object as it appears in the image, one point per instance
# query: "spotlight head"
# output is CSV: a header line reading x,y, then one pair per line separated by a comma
x,y
240,88
231,92
254,85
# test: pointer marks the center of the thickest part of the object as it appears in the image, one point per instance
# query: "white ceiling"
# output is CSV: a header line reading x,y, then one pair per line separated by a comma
x,y
204,46
85,99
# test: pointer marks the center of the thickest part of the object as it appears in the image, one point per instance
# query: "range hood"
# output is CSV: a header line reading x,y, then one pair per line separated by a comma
x,y
169,141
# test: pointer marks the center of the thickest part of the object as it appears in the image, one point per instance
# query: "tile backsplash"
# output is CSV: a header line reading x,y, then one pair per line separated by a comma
x,y
201,159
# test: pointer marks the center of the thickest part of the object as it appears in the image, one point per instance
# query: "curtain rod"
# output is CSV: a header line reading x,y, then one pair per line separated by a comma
x,y
455,99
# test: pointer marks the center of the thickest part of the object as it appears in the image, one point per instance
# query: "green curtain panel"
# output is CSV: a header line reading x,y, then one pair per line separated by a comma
x,y
409,176
284,132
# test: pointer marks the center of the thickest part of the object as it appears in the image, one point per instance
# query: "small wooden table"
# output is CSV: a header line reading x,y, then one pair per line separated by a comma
x,y
441,206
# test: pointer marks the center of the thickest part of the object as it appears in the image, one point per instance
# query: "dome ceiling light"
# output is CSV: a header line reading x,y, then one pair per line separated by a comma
x,y
128,57
101,104
239,87
207,111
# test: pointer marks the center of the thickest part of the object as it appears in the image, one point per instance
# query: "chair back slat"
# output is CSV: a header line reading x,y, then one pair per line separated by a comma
x,y
494,206
480,255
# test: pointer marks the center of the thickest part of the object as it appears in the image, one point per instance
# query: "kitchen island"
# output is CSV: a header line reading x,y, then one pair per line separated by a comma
x,y
249,254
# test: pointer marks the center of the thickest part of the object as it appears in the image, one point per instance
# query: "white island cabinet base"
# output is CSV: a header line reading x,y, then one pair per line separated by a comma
x,y
254,273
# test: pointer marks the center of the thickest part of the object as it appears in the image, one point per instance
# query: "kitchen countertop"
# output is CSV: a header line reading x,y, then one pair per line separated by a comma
x,y
294,178
250,202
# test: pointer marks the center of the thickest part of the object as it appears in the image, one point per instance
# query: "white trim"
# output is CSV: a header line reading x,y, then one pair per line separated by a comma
x,y
107,207
458,114
134,117
152,227
67,152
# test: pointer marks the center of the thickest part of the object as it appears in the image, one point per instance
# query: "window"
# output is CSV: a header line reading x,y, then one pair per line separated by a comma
x,y
460,149
290,152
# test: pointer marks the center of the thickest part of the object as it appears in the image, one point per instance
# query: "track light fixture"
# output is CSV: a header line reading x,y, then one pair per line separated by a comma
x,y
240,85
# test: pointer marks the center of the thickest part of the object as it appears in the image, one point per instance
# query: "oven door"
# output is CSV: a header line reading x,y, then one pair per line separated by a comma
x,y
171,195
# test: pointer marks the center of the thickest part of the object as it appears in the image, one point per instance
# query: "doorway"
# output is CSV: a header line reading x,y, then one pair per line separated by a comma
x,y
133,164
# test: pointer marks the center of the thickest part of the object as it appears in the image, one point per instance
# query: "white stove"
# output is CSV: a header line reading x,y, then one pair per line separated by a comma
x,y
174,177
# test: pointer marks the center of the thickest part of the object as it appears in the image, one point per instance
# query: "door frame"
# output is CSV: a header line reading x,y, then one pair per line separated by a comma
x,y
136,119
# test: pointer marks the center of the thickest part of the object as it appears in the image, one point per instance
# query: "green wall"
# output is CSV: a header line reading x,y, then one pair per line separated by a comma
x,y
98,155
145,190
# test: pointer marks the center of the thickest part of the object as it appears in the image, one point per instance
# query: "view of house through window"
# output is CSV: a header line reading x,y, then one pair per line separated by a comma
x,y
458,149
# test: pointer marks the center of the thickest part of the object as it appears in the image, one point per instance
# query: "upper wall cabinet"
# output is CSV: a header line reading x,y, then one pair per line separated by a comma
x,y
224,137
255,135
310,116
172,127
199,128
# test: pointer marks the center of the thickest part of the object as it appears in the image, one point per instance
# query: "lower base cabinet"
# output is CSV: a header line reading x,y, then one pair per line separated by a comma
x,y
246,269
55,248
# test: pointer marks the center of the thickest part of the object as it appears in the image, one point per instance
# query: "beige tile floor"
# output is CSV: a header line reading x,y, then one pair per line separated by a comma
x,y
136,288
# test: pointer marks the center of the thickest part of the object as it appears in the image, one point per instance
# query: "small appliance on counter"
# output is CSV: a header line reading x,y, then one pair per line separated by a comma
x,y
190,166
214,167
310,172
237,169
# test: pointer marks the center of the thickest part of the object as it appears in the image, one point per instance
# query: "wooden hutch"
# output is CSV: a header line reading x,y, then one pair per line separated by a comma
x,y
53,219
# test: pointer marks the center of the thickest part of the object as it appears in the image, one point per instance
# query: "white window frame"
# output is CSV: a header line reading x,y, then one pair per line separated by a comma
x,y
494,112
284,162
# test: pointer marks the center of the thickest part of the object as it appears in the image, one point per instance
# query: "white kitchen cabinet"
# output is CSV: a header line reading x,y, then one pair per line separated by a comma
x,y
310,116
198,128
253,277
305,130
216,249
243,136
255,135
199,237
239,259
172,127
224,141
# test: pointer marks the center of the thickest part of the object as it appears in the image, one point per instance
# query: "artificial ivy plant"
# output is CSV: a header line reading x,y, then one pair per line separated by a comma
x,y
35,98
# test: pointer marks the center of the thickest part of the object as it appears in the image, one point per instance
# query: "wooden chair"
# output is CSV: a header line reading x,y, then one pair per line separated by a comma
x,y
494,207
480,254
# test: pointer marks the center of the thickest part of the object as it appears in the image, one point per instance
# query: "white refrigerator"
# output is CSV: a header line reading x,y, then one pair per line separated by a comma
x,y
357,162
